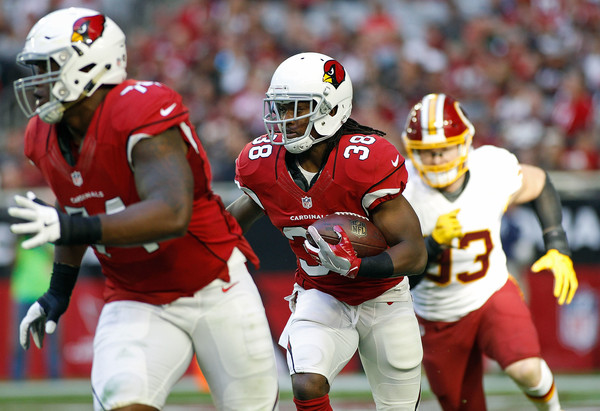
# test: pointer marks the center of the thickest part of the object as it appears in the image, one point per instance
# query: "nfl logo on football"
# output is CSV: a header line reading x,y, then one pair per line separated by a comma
x,y
306,202
77,179
359,228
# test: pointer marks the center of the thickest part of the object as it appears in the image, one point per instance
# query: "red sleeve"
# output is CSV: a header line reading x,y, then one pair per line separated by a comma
x,y
377,169
256,166
146,107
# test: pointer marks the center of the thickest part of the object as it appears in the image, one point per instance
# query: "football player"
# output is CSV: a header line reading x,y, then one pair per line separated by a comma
x,y
313,161
131,179
467,302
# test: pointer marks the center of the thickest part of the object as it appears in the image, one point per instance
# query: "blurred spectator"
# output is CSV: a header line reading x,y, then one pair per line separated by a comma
x,y
524,71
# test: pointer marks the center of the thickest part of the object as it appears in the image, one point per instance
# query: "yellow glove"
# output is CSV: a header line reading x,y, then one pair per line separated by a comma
x,y
447,228
565,280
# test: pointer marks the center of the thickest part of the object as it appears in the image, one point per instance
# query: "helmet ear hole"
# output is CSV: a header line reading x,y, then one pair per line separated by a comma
x,y
87,68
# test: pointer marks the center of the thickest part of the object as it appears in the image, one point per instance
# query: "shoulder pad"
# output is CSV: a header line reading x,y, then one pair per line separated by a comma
x,y
368,158
257,161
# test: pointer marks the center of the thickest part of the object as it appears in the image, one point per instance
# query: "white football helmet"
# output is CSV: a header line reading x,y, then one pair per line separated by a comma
x,y
73,51
314,78
437,121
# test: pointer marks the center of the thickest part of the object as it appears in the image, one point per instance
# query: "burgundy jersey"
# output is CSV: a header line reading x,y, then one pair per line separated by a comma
x,y
102,181
360,173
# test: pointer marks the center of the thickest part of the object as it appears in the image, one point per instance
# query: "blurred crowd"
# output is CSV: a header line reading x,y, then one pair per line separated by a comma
x,y
526,71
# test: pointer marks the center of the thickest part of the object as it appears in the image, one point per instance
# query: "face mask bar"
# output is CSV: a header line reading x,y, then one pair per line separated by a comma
x,y
276,117
26,86
442,175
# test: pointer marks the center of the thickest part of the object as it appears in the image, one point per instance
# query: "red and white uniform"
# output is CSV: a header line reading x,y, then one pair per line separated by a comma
x,y
102,181
467,304
360,173
169,300
333,315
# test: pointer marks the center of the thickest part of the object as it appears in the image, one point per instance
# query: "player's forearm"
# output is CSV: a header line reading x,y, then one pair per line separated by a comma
x,y
548,208
245,211
406,258
69,255
410,257
147,221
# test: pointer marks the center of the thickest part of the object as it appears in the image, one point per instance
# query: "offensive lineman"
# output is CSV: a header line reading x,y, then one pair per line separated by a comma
x,y
314,161
131,178
467,302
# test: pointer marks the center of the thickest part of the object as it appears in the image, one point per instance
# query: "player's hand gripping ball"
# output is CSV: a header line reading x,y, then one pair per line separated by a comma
x,y
336,240
365,237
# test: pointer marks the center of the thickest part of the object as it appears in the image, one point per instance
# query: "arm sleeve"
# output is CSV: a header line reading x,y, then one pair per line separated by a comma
x,y
548,208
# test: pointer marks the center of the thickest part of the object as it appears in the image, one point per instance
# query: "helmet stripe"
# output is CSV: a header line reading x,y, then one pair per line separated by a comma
x,y
432,118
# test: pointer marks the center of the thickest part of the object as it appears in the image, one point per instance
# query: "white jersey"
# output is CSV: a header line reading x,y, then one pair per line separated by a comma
x,y
475,266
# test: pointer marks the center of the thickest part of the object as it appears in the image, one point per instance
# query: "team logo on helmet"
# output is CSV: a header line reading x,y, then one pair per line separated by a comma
x,y
88,29
334,73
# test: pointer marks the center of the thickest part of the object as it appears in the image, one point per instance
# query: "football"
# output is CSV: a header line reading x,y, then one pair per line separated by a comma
x,y
365,237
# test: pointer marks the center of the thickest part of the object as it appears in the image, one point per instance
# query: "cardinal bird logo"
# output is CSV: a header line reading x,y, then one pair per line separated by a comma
x,y
88,29
334,73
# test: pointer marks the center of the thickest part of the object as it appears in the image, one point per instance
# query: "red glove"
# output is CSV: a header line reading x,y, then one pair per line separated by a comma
x,y
340,258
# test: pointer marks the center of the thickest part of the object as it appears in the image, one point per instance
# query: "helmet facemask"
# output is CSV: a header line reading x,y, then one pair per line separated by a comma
x,y
277,119
442,175
74,51
51,111
308,78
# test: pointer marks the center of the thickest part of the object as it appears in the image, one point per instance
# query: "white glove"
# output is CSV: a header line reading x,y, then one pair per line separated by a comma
x,y
35,321
44,224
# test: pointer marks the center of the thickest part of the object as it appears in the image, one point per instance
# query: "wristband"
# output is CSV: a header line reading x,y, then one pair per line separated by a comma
x,y
77,229
377,266
63,279
557,238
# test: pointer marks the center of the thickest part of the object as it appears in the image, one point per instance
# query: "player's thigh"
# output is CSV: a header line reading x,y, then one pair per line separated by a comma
x,y
138,356
507,333
391,351
451,355
320,336
234,346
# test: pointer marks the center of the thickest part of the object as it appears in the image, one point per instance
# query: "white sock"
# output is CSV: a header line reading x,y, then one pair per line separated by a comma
x,y
544,396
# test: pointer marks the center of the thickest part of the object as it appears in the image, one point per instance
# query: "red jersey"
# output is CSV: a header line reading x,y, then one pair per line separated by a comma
x,y
102,181
360,173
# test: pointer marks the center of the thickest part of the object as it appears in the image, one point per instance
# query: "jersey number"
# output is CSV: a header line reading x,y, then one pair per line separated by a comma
x,y
481,260
298,234
361,151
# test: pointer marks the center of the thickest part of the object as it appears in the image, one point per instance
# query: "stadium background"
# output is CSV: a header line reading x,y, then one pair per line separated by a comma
x,y
527,73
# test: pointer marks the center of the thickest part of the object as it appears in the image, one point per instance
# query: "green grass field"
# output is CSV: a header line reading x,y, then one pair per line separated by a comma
x,y
349,392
